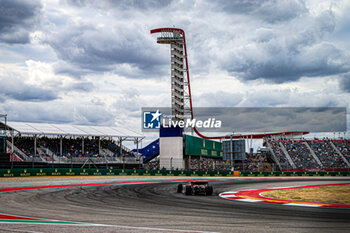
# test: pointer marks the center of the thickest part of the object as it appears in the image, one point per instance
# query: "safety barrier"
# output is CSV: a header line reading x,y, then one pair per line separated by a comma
x,y
107,172
297,173
139,172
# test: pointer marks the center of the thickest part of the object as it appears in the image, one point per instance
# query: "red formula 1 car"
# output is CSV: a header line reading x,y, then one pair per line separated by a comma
x,y
195,188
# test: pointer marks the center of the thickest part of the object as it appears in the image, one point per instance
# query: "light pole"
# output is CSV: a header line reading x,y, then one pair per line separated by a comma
x,y
231,150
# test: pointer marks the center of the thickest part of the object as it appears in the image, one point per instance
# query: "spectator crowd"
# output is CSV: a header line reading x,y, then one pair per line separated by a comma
x,y
50,148
302,156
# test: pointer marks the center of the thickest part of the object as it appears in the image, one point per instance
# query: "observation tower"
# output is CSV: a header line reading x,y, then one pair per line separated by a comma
x,y
180,92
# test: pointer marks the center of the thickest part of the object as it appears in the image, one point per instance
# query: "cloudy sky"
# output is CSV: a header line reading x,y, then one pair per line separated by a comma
x,y
95,62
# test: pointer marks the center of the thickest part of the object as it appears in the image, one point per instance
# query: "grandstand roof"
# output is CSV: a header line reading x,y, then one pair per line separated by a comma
x,y
28,128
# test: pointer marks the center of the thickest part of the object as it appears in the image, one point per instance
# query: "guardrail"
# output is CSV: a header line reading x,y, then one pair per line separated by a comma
x,y
141,172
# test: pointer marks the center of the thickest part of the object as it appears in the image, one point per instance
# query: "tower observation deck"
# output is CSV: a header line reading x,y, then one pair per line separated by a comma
x,y
180,93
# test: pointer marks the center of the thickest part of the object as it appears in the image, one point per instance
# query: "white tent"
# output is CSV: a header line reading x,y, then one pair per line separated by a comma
x,y
28,128
38,130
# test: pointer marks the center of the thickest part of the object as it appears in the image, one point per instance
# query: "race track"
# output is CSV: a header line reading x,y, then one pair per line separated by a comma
x,y
157,207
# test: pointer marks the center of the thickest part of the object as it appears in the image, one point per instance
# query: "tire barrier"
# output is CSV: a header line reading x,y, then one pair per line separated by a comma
x,y
140,172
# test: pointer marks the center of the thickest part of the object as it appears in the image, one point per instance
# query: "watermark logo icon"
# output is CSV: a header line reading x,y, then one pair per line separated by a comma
x,y
151,119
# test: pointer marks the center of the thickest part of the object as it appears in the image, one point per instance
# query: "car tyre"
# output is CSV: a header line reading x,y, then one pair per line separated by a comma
x,y
209,190
188,190
179,188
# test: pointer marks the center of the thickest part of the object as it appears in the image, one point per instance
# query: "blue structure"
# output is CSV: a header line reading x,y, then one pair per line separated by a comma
x,y
150,151
170,132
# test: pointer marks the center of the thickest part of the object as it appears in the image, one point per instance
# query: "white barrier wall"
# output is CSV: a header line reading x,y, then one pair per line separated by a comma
x,y
171,152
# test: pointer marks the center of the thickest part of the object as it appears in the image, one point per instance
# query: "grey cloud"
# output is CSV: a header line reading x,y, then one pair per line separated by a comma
x,y
129,100
14,88
256,97
80,87
66,68
282,66
345,83
17,19
59,112
283,55
92,115
38,112
270,97
18,36
220,99
271,11
89,49
266,98
122,4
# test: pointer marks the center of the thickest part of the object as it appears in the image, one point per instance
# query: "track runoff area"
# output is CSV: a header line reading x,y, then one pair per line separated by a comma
x,y
152,204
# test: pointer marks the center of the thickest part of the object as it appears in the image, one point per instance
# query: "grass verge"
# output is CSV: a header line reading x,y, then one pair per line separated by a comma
x,y
331,194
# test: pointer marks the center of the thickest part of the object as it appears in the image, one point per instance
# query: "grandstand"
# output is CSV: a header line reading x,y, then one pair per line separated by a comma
x,y
306,154
343,146
76,145
278,154
61,145
256,162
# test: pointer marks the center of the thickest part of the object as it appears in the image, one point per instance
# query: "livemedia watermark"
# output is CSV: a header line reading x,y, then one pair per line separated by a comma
x,y
252,119
153,120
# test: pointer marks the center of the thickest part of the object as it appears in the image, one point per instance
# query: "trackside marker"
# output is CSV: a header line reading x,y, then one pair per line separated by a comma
x,y
7,218
296,204
247,200
230,195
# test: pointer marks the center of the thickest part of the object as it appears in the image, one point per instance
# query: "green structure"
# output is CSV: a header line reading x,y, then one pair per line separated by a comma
x,y
195,146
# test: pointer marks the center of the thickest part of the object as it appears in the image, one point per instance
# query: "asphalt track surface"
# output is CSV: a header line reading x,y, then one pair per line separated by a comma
x,y
158,208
